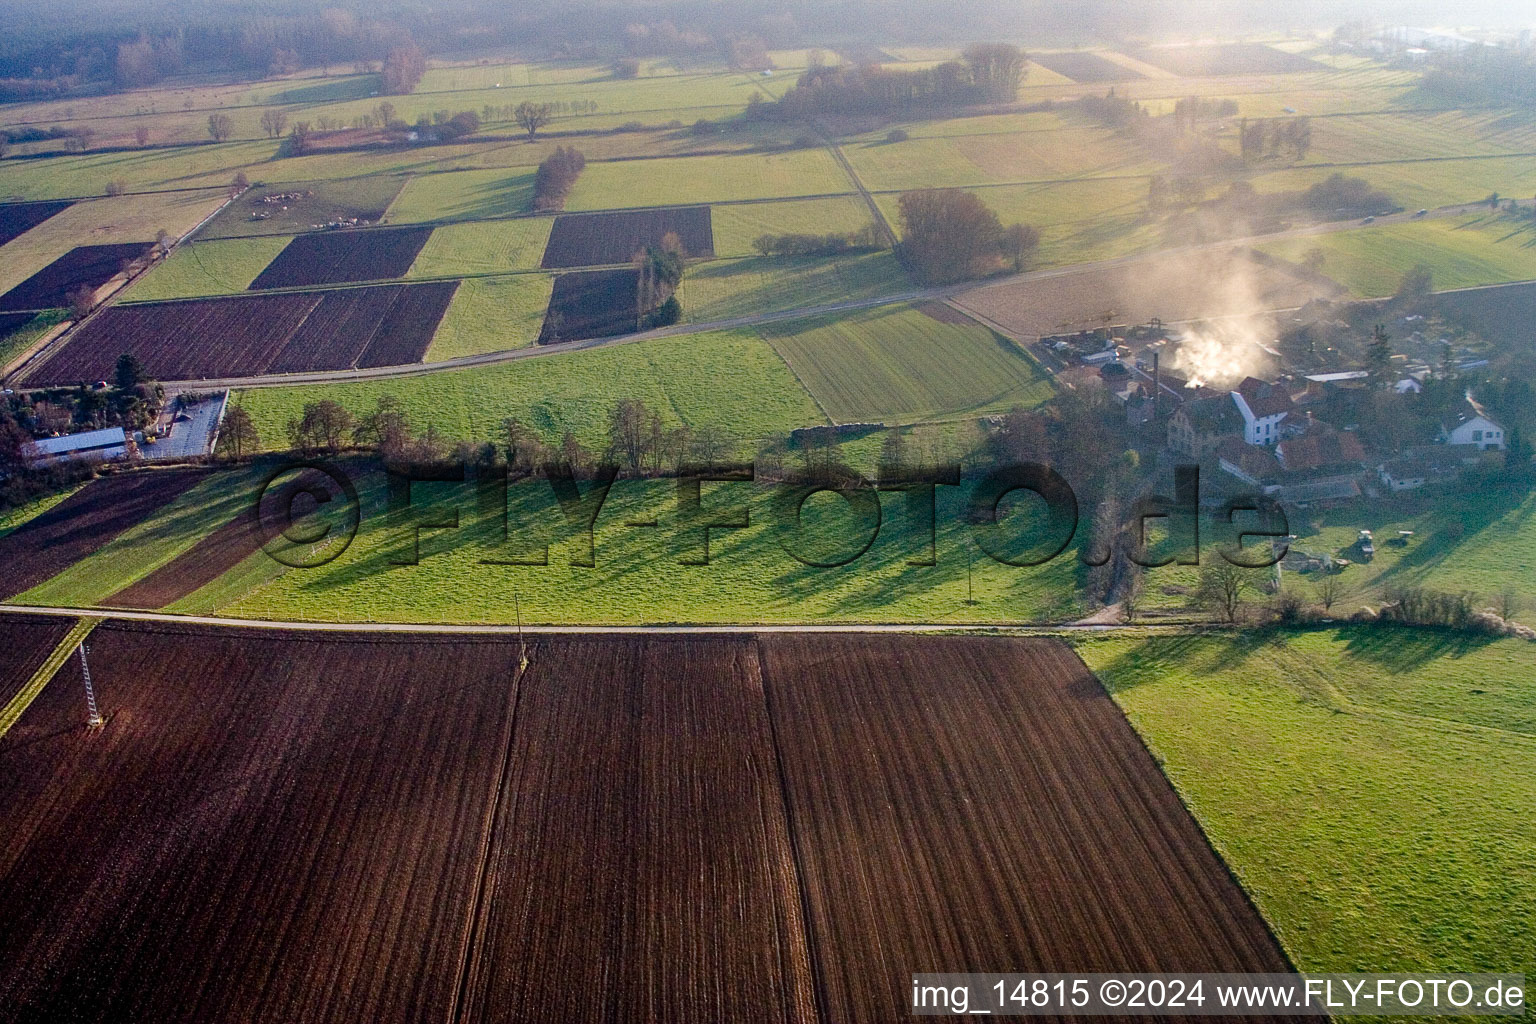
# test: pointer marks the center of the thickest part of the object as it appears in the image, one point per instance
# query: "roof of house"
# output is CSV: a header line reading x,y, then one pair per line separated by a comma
x,y
1468,411
1421,468
1212,415
1255,460
51,446
1337,489
1264,399
1318,447
1324,378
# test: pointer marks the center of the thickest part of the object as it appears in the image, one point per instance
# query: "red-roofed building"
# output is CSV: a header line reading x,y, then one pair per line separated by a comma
x,y
1262,406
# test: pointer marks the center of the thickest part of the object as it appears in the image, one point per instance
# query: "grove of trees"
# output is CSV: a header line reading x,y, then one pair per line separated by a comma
x,y
950,235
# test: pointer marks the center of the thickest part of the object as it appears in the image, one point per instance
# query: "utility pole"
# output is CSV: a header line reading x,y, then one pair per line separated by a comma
x,y
522,645
93,719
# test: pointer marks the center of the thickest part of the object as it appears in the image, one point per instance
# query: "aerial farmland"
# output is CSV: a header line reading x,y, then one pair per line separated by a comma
x,y
648,512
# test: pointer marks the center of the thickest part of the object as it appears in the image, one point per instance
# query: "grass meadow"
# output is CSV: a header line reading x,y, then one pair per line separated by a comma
x,y
1461,251
738,225
708,179
1373,788
637,574
900,364
483,247
730,288
723,380
208,268
492,314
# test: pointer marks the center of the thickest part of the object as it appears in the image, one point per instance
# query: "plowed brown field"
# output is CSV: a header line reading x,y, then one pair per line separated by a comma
x,y
82,524
980,804
26,640
275,827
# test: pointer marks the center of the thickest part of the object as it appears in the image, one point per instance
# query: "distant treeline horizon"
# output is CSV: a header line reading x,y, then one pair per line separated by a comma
x,y
62,47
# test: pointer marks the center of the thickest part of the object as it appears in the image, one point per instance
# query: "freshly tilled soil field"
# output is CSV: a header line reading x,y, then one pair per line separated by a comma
x,y
591,304
1084,67
1225,59
27,640
597,239
343,257
966,803
246,335
90,266
280,827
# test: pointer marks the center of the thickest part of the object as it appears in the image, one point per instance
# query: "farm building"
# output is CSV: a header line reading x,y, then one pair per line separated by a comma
x,y
91,446
1471,425
1262,407
1252,464
1200,426
1321,449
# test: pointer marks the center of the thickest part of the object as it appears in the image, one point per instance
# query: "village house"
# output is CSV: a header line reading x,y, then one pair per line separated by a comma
x,y
1263,406
1197,428
1470,424
1422,468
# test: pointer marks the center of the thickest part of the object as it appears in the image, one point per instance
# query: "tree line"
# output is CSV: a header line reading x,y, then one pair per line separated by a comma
x,y
986,73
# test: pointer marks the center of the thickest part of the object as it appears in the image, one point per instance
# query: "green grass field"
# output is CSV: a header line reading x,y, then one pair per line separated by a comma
x,y
1483,543
1078,221
1416,135
208,268
1461,251
996,157
87,174
898,364
708,179
725,289
464,195
1421,183
738,225
1374,789
727,380
492,314
483,247
15,343
637,576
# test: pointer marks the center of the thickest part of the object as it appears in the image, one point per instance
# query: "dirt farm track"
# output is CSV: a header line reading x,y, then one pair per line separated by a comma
x,y
773,827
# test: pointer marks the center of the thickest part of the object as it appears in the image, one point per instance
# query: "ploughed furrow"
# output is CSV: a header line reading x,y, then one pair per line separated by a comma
x,y
190,340
204,562
980,804
335,335
407,329
268,828
27,640
644,870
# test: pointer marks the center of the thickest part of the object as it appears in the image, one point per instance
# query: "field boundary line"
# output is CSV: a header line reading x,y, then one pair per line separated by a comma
x,y
12,712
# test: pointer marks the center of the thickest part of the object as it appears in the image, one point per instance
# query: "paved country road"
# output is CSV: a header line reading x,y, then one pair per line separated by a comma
x,y
507,629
